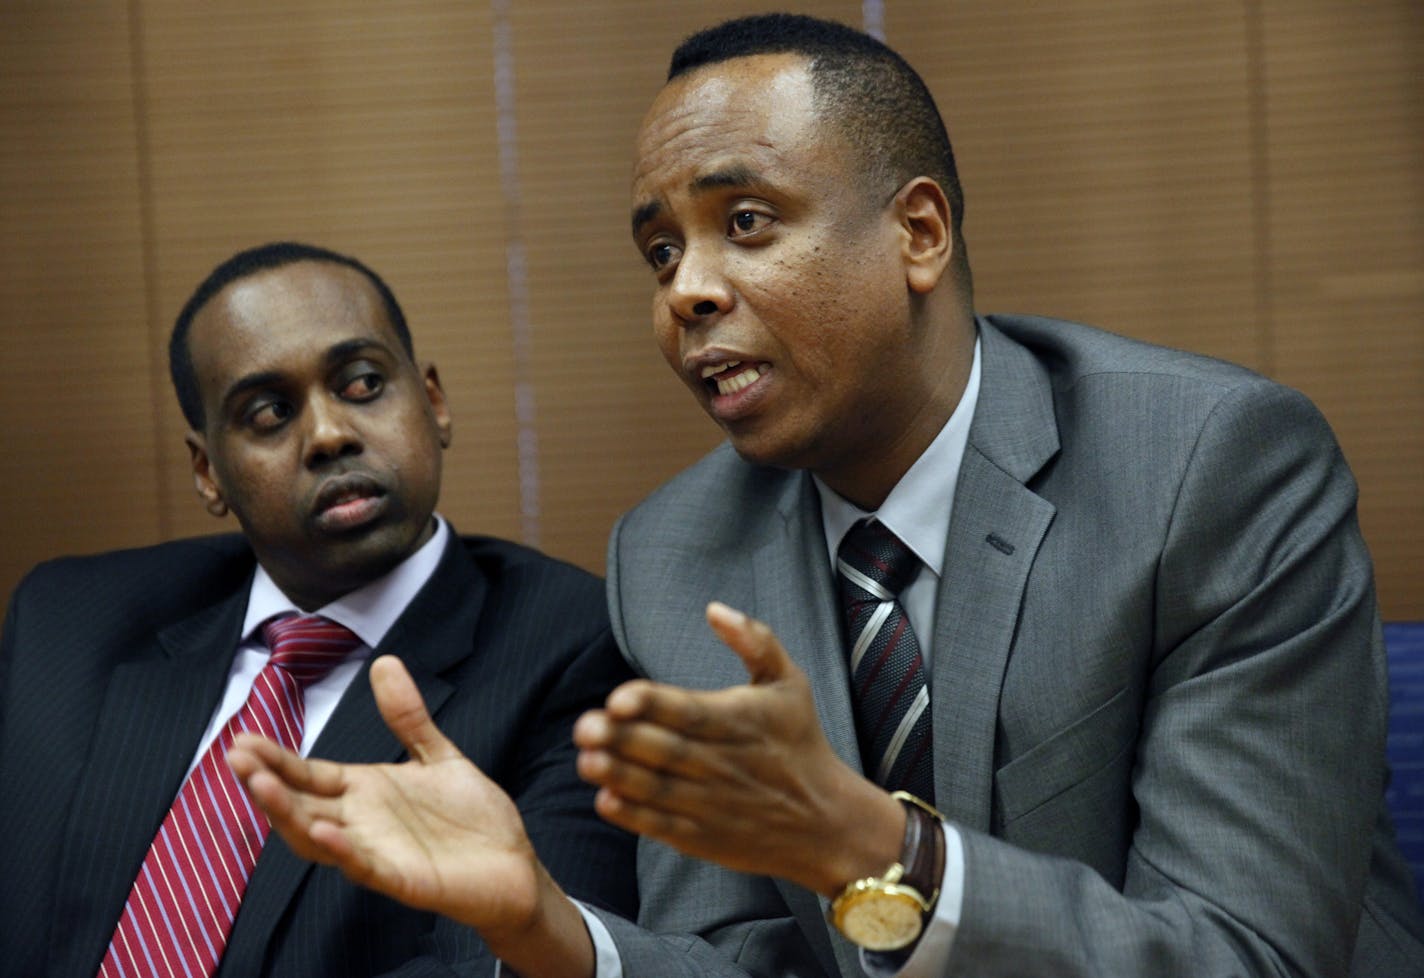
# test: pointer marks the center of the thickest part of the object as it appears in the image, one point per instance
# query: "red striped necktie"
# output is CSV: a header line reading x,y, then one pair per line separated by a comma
x,y
182,904
888,689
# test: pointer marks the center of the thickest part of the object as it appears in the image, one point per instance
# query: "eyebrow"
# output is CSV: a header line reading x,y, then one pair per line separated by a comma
x,y
346,349
737,175
265,378
645,213
337,353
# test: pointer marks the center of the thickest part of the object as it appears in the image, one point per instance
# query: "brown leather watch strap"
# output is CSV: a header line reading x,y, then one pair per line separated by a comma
x,y
922,853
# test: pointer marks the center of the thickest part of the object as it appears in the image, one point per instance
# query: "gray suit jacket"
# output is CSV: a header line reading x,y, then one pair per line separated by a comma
x,y
1158,681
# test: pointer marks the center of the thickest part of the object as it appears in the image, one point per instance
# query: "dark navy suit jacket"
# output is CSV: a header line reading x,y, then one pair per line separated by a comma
x,y
111,666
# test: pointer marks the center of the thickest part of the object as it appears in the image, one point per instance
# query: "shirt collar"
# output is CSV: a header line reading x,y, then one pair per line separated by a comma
x,y
919,507
370,610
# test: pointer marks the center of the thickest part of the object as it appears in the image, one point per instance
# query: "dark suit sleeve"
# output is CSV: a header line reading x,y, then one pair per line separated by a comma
x,y
591,859
1256,776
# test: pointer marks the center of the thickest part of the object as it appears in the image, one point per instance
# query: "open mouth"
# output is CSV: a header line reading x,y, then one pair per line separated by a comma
x,y
733,376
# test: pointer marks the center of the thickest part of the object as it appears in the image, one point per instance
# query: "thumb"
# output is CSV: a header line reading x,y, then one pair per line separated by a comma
x,y
405,713
755,644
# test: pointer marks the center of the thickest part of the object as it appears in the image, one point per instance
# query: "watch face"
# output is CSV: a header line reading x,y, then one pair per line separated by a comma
x,y
881,921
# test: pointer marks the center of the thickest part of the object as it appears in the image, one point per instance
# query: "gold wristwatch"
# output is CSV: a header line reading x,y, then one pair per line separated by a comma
x,y
888,912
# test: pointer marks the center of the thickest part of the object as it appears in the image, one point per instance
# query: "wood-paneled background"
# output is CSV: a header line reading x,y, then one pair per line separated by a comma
x,y
1230,176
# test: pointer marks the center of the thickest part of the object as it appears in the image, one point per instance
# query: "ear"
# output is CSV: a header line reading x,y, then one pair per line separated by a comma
x,y
203,479
439,407
928,243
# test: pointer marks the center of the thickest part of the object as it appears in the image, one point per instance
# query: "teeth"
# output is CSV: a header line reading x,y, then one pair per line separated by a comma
x,y
347,497
741,381
717,368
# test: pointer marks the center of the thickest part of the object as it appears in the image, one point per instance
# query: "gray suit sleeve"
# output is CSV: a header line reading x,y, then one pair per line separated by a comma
x,y
1255,777
695,918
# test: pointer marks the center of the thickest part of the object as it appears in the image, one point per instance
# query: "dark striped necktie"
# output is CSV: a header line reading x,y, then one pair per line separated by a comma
x,y
187,892
888,688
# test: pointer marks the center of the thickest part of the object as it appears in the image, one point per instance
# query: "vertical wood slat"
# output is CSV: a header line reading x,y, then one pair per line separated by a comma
x,y
1346,121
79,464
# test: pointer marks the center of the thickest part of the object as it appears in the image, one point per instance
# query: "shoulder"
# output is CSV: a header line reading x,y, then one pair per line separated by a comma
x,y
1103,381
1073,352
511,569
125,593
181,571
717,498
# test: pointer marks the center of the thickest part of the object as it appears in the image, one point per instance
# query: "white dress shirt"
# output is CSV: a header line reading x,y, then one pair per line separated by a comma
x,y
369,612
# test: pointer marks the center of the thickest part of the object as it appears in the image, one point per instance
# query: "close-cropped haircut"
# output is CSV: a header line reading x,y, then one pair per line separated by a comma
x,y
239,266
862,87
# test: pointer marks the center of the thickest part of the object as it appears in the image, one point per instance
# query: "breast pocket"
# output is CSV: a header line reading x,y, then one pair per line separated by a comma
x,y
1071,794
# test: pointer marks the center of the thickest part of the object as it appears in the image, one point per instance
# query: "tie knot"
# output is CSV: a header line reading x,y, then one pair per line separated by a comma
x,y
870,550
308,646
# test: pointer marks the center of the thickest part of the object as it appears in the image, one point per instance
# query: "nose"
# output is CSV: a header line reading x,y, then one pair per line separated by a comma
x,y
699,288
330,434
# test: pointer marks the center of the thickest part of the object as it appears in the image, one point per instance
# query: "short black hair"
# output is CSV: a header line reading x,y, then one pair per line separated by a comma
x,y
245,263
871,94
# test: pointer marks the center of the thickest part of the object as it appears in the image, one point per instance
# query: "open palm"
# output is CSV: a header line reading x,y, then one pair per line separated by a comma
x,y
433,832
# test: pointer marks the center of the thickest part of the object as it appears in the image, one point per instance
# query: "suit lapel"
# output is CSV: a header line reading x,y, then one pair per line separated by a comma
x,y
995,531
792,591
154,713
433,633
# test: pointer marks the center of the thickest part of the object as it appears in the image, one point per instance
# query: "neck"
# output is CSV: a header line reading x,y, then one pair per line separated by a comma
x,y
866,477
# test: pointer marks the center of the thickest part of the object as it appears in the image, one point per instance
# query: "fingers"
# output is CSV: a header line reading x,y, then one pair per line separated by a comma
x,y
649,779
755,643
302,818
656,823
251,753
405,713
663,727
695,714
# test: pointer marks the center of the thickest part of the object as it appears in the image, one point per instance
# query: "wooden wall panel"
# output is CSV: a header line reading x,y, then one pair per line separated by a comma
x,y
1237,178
1344,95
78,470
1106,155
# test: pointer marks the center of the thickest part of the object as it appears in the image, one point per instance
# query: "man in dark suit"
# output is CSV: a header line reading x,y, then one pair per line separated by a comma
x,y
312,423
1104,606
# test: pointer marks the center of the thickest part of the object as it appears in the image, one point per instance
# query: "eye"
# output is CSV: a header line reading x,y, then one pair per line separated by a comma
x,y
746,222
268,415
662,254
363,387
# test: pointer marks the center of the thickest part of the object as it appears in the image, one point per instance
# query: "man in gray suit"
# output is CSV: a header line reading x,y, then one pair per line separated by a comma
x,y
1134,662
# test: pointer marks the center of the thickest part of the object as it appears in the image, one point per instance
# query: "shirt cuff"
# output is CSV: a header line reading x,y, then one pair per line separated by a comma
x,y
607,963
931,955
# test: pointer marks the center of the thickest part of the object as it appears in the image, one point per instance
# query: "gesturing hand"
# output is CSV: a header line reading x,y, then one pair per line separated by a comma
x,y
433,832
743,776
